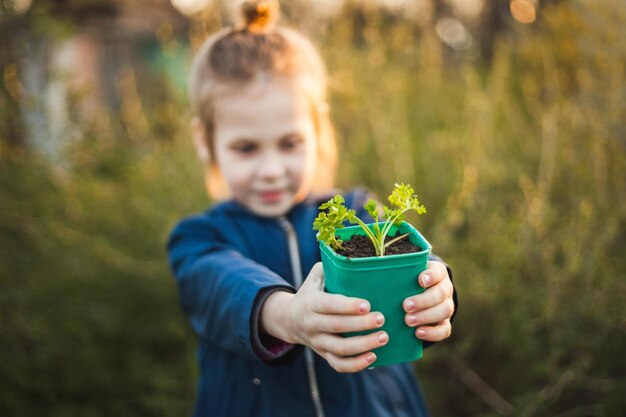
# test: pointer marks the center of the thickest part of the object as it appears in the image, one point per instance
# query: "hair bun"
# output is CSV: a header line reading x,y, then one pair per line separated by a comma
x,y
260,15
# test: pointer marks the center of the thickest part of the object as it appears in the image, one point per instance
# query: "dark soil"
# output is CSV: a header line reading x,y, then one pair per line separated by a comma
x,y
361,247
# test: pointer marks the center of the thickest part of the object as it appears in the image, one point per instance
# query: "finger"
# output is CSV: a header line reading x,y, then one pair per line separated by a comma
x,y
325,303
349,346
429,298
343,324
435,333
435,271
434,314
351,364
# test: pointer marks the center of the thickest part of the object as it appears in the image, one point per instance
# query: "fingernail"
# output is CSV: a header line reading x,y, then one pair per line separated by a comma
x,y
409,305
426,280
371,358
382,338
411,319
364,307
380,319
421,332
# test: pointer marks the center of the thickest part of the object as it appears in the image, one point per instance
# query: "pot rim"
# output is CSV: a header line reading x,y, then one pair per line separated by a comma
x,y
427,247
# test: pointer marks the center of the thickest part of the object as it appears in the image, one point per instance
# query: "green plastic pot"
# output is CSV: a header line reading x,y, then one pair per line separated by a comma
x,y
385,282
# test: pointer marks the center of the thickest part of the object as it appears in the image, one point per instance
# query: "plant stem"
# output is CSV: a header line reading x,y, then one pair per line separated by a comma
x,y
371,236
389,223
391,242
376,228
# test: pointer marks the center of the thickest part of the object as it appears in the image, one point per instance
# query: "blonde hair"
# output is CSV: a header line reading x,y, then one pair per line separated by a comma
x,y
237,55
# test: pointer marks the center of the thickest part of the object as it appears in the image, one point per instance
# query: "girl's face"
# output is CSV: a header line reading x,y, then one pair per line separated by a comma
x,y
265,144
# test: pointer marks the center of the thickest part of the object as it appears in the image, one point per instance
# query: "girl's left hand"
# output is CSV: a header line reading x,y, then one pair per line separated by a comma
x,y
430,311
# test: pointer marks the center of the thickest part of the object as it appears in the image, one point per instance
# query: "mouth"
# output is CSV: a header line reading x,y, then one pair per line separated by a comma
x,y
271,196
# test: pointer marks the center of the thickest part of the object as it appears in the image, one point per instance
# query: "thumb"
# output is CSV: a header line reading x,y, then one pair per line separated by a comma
x,y
315,279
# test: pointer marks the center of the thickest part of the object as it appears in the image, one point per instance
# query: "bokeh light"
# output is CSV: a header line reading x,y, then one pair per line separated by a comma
x,y
189,7
453,33
470,9
19,6
524,11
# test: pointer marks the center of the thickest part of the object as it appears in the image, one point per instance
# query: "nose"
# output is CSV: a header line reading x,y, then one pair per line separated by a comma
x,y
271,167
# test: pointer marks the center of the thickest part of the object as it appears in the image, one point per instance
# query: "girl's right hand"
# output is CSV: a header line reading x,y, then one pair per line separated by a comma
x,y
315,318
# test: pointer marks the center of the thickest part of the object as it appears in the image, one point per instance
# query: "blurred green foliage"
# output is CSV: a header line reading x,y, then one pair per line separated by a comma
x,y
520,160
89,318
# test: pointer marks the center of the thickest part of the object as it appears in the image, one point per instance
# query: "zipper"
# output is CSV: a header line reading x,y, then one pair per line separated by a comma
x,y
296,268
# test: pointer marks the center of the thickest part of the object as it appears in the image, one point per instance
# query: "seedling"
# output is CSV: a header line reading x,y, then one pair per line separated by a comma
x,y
336,214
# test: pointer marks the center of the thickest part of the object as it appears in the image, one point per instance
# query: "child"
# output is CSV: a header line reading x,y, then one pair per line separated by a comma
x,y
269,340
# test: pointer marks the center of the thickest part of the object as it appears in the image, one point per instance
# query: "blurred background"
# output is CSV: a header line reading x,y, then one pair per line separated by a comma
x,y
506,116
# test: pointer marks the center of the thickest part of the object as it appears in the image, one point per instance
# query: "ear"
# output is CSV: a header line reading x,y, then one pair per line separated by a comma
x,y
199,139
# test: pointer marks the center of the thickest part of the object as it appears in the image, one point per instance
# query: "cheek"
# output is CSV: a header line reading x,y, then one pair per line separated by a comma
x,y
304,165
299,163
236,173
235,179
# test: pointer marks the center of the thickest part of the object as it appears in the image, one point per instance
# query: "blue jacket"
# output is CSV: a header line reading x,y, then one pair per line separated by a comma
x,y
226,261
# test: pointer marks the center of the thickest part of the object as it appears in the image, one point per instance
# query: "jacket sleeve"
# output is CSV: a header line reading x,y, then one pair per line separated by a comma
x,y
218,286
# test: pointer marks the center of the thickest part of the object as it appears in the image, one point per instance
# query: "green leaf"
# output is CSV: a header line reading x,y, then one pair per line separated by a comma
x,y
391,213
402,196
333,218
372,208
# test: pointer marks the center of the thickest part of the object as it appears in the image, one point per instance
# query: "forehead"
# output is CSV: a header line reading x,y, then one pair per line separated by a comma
x,y
265,106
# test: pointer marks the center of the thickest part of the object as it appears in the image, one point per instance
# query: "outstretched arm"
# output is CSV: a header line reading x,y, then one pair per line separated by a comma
x,y
218,286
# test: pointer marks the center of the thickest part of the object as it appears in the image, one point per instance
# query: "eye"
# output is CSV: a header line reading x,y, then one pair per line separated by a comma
x,y
291,142
244,147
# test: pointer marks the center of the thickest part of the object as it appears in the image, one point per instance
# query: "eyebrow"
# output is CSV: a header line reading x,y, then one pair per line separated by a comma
x,y
289,135
243,139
